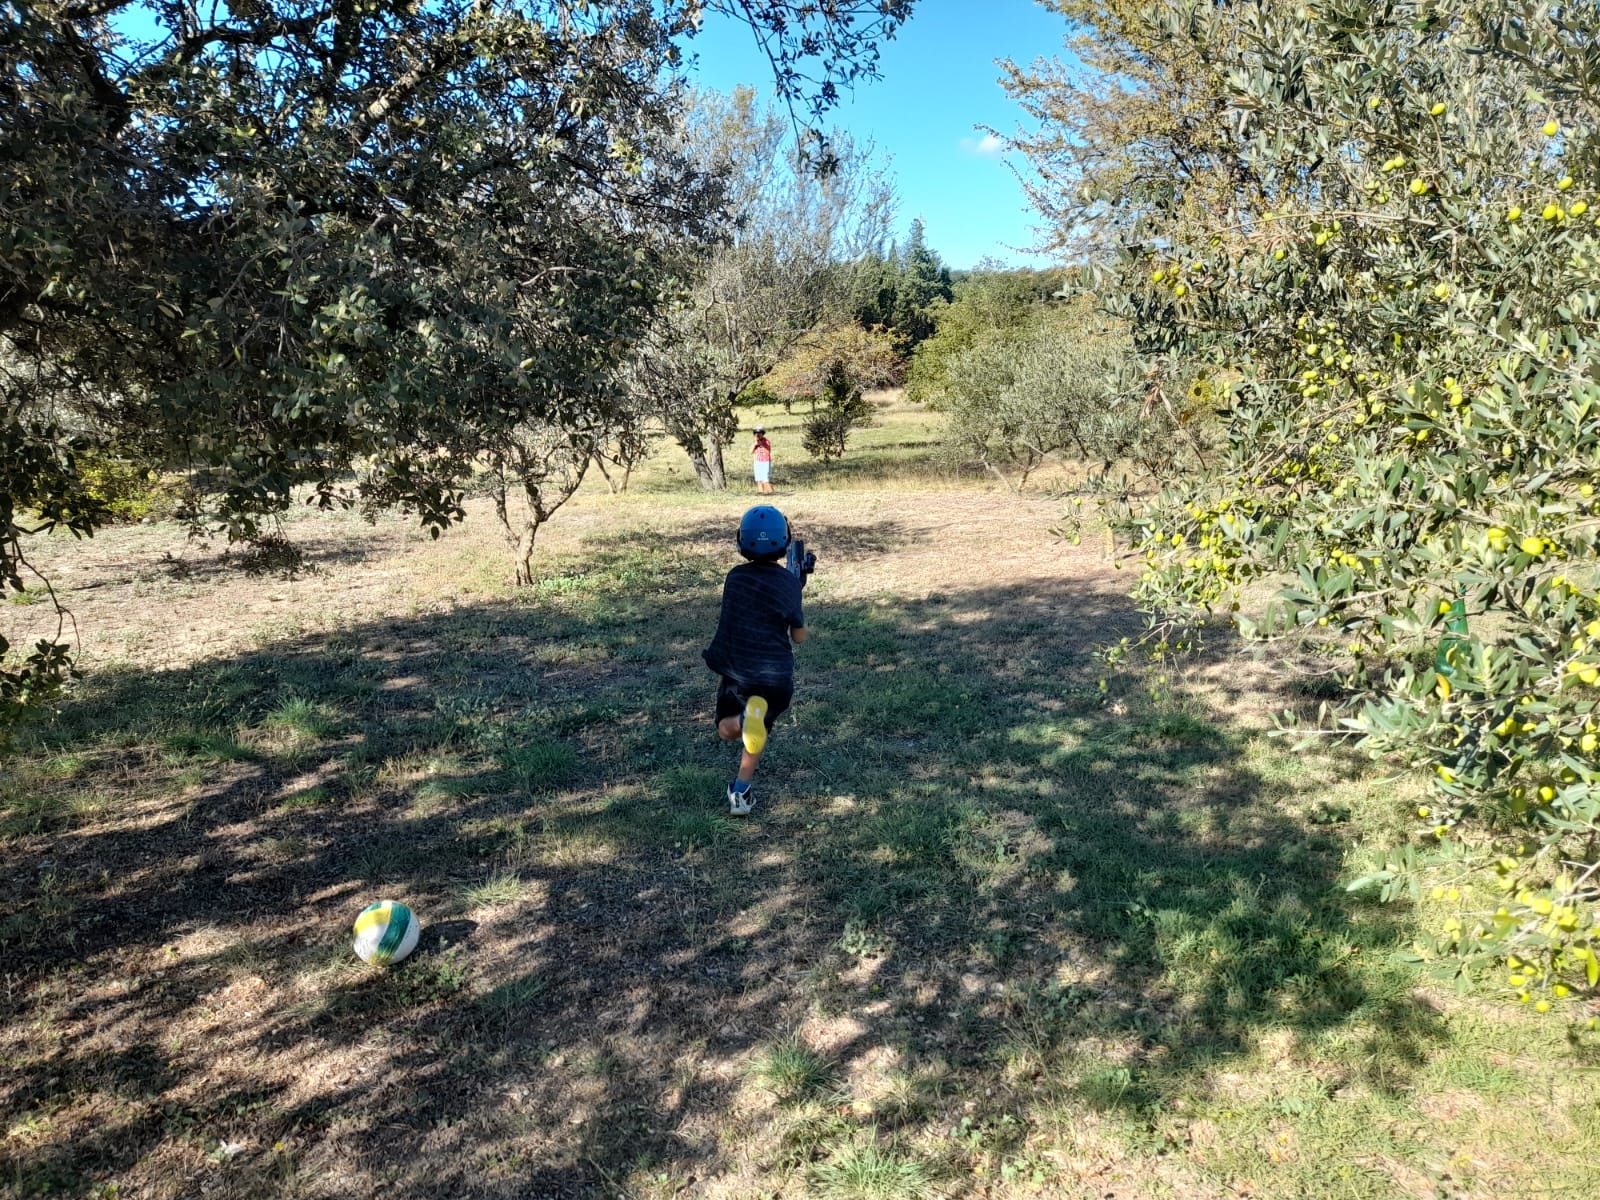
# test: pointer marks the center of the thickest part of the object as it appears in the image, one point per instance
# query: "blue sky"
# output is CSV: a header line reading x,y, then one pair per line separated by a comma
x,y
939,82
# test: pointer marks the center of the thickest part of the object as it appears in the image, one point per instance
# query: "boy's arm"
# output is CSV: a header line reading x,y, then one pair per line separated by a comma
x,y
797,618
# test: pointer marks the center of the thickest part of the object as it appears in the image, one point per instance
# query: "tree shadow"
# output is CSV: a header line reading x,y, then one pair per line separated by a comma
x,y
972,855
838,541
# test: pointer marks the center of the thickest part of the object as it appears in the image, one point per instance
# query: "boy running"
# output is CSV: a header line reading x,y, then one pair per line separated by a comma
x,y
761,615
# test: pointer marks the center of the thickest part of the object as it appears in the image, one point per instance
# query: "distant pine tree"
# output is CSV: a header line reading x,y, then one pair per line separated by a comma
x,y
923,281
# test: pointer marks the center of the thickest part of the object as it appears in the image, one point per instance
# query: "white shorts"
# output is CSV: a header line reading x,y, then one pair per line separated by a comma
x,y
763,472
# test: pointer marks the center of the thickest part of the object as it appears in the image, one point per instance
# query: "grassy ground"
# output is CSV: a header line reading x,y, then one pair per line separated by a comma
x,y
1003,925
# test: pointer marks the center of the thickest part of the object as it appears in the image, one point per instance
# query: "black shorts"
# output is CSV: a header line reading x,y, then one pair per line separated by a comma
x,y
731,696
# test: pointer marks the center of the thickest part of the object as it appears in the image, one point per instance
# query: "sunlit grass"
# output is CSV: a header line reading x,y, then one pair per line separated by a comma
x,y
866,1171
299,715
497,890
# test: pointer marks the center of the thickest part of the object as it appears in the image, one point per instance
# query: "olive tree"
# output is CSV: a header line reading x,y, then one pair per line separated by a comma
x,y
1018,396
1397,284
782,262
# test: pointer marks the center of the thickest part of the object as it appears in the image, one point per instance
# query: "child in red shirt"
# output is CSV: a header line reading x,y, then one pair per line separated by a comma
x,y
763,461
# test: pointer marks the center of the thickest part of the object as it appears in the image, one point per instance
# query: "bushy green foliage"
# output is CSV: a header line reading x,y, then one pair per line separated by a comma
x,y
1017,396
130,491
1398,285
987,302
270,265
867,357
755,394
840,409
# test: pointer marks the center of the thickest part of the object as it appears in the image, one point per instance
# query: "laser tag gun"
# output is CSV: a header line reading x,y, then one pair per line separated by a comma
x,y
800,563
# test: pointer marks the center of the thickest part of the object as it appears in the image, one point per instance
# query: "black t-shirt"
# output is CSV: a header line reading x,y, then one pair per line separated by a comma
x,y
760,604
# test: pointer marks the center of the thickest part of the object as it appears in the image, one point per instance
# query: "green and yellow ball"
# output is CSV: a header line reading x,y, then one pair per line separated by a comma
x,y
386,932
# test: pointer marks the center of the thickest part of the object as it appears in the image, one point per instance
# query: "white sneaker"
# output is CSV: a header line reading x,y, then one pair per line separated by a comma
x,y
740,803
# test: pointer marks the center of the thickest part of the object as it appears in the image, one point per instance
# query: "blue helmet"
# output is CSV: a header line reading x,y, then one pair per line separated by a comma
x,y
763,533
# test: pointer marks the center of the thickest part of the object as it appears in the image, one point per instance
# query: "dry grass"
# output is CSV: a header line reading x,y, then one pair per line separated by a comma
x,y
999,929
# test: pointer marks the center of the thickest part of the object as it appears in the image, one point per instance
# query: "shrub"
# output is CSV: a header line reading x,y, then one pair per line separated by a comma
x,y
1016,397
840,409
130,491
867,357
756,394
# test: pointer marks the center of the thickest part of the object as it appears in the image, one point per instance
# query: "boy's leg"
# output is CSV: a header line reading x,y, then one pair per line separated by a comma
x,y
747,717
731,704
753,725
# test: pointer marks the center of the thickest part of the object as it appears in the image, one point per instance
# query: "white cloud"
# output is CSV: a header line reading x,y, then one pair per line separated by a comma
x,y
989,145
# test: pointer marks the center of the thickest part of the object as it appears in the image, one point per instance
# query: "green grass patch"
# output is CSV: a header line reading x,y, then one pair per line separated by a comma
x,y
538,765
207,747
688,786
513,999
305,798
792,1071
697,830
868,1171
499,889
305,718
26,811
905,702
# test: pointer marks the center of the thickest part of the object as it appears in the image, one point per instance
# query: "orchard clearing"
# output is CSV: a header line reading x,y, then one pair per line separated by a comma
x,y
1006,923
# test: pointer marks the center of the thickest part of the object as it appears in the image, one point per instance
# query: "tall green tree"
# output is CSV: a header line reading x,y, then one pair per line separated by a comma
x,y
922,282
874,290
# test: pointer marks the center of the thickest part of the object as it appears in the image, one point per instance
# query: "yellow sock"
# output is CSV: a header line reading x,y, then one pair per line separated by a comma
x,y
755,724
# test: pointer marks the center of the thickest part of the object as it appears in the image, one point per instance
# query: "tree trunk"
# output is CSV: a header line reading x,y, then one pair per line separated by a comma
x,y
702,469
719,475
1000,475
601,464
530,530
708,467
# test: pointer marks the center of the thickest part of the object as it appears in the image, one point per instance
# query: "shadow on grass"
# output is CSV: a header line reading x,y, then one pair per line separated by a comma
x,y
837,541
970,857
